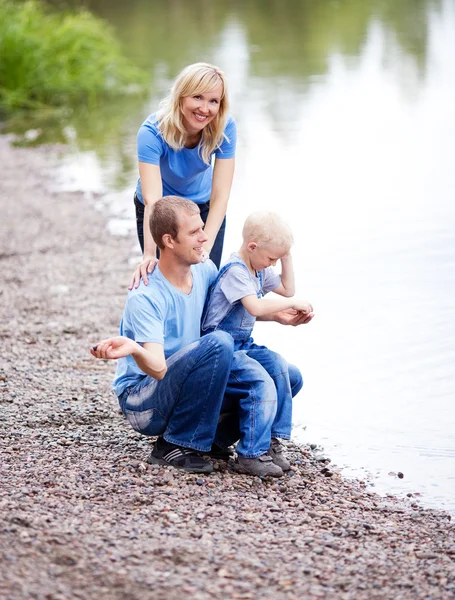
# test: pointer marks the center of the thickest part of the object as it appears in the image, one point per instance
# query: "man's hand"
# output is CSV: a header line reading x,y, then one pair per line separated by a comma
x,y
142,270
293,317
113,348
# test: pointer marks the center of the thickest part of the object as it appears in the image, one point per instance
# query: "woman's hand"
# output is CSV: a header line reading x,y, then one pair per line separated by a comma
x,y
142,270
113,348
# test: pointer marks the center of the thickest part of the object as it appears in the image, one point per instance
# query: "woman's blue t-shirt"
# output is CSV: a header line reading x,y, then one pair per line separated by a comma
x,y
183,172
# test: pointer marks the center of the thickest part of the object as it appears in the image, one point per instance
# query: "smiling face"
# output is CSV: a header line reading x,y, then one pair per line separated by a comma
x,y
200,110
265,255
187,245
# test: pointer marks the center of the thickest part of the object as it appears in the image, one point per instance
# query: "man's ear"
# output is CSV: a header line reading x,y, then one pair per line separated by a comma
x,y
168,241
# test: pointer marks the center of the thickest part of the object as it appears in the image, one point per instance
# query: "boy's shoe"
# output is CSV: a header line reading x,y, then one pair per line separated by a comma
x,y
219,452
263,466
165,453
276,453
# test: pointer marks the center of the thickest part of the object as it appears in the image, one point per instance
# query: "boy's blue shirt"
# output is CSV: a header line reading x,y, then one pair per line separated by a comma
x,y
160,313
236,283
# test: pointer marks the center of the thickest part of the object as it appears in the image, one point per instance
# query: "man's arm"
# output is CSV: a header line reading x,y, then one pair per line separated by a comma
x,y
149,357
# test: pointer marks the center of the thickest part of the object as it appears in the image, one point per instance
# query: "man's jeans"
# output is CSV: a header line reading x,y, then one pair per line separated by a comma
x,y
185,405
258,398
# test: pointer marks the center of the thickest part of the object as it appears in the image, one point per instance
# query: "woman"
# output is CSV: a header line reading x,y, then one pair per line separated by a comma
x,y
175,151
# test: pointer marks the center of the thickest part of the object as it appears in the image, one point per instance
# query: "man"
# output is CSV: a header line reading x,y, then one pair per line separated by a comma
x,y
169,381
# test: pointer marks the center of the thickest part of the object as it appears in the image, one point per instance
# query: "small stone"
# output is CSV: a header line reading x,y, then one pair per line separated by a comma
x,y
426,555
400,475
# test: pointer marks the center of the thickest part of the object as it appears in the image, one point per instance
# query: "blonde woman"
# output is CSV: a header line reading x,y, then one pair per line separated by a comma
x,y
176,147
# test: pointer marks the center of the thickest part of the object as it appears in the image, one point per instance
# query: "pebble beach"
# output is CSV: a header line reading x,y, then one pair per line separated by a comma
x,y
84,516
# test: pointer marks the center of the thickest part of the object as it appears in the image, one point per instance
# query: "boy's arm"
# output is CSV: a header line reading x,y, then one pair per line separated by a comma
x,y
260,307
287,285
288,317
149,357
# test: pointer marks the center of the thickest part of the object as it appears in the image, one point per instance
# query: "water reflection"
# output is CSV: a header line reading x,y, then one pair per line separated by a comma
x,y
286,47
345,118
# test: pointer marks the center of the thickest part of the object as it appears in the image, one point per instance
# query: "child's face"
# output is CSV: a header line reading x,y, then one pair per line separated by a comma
x,y
265,255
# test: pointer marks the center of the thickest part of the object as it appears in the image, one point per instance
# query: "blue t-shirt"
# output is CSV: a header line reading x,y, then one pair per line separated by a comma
x,y
159,312
183,172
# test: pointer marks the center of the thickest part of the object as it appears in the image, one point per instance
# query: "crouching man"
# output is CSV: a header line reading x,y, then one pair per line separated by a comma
x,y
170,382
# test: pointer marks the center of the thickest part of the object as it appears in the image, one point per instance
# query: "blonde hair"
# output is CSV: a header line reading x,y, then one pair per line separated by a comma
x,y
266,227
195,79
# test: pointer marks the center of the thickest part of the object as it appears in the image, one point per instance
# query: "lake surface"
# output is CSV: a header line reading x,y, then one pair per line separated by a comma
x,y
345,113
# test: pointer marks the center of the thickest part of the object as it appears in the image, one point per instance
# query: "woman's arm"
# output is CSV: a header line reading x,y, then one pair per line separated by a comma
x,y
223,174
287,285
152,190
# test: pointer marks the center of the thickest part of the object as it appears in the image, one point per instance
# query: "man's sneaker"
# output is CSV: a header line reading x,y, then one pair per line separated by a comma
x,y
263,466
219,452
276,453
165,453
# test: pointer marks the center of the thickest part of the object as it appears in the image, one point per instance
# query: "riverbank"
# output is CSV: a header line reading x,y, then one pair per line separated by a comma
x,y
82,513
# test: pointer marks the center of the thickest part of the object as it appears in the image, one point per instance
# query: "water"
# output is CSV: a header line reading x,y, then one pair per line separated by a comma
x,y
346,125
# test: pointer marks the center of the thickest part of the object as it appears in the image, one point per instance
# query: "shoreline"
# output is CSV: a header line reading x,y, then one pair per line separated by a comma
x,y
83,515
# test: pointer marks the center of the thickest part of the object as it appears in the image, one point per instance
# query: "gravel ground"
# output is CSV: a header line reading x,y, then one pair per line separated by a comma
x,y
82,515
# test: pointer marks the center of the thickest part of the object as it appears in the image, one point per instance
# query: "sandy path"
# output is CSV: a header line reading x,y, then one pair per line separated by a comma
x,y
81,513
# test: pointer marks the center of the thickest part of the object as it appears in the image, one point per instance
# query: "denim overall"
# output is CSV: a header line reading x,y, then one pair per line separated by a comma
x,y
238,321
261,386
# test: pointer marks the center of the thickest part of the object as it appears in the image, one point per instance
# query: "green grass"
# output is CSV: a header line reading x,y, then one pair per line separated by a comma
x,y
52,59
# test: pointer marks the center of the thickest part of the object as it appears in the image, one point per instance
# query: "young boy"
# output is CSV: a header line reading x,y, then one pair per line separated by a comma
x,y
234,302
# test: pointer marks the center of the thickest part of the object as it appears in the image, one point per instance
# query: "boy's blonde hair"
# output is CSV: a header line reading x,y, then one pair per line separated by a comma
x,y
266,227
195,79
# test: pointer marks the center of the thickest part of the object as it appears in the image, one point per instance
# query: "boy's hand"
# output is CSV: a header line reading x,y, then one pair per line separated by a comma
x,y
113,348
304,307
293,317
286,257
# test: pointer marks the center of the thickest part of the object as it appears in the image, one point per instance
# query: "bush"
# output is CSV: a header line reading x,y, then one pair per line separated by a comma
x,y
50,59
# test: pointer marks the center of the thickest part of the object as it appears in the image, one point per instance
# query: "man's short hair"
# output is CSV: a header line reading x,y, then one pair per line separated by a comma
x,y
266,227
164,217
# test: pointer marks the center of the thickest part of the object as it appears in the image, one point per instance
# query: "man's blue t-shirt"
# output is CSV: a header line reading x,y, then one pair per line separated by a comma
x,y
159,312
183,172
